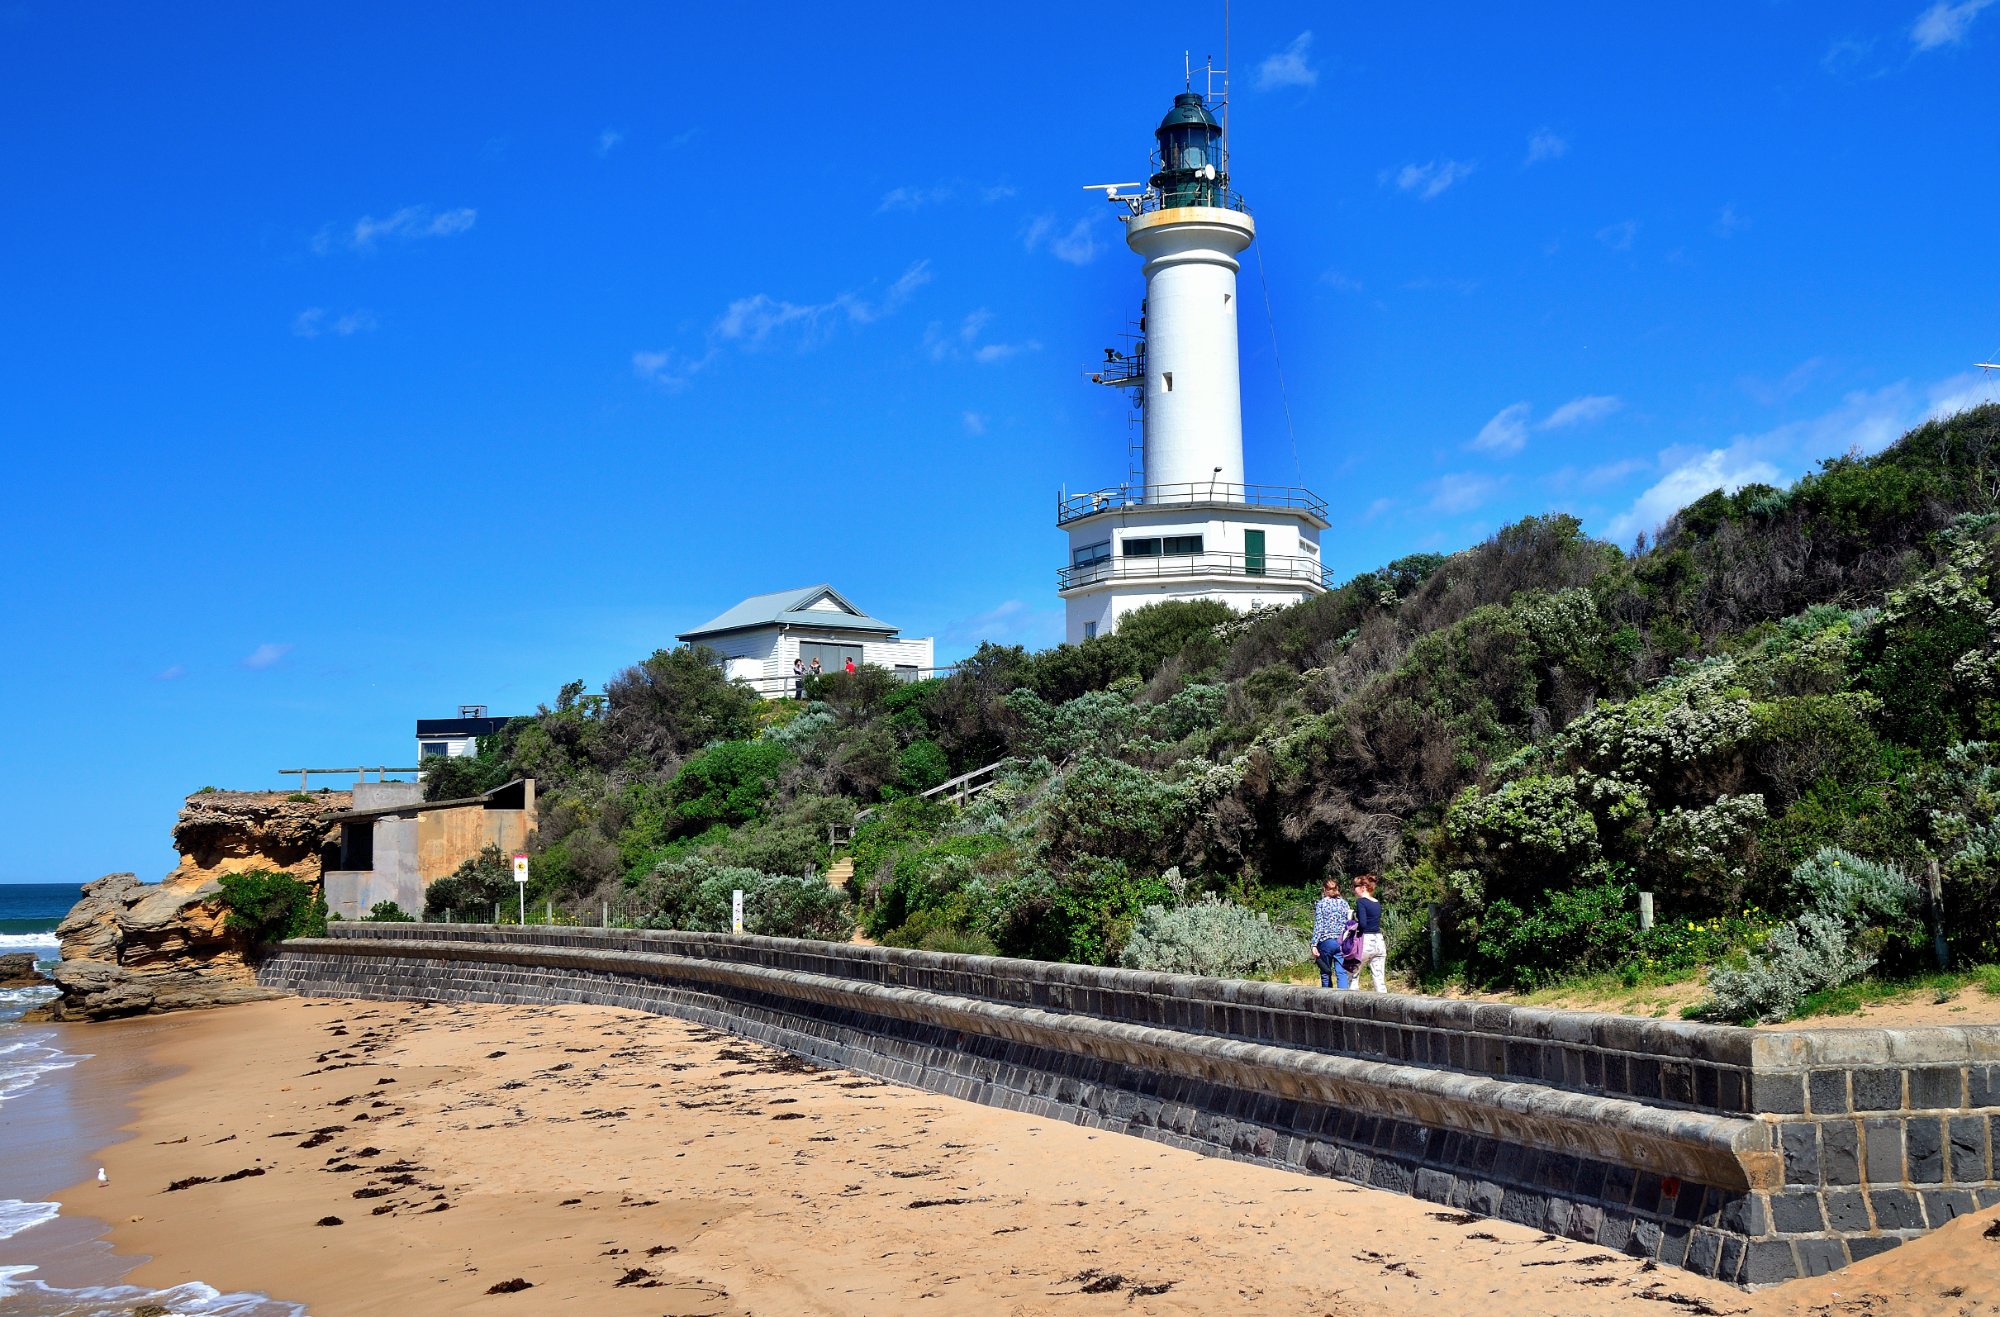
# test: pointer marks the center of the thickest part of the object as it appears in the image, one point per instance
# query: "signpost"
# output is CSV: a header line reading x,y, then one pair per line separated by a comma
x,y
521,882
736,911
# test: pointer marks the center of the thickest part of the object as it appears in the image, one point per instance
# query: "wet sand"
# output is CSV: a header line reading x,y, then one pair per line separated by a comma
x,y
394,1158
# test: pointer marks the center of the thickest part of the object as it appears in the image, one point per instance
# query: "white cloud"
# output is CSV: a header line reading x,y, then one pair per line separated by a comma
x,y
1945,24
1971,389
1581,411
670,370
312,322
963,342
761,320
607,142
1771,392
175,673
916,198
1619,237
1862,422
974,422
1845,55
1729,222
1077,244
1340,281
1431,179
265,655
1377,508
1507,432
752,321
1290,67
1544,144
1722,468
1462,491
407,225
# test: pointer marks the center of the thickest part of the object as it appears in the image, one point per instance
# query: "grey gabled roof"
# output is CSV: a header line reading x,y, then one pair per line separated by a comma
x,y
788,607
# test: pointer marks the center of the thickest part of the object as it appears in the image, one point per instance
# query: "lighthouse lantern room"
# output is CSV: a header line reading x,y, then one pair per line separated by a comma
x,y
1185,525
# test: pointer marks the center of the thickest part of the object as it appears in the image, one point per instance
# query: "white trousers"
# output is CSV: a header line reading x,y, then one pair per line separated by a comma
x,y
1375,955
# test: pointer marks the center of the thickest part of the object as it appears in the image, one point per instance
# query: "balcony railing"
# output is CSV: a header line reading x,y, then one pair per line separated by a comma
x,y
1150,567
1186,194
1077,506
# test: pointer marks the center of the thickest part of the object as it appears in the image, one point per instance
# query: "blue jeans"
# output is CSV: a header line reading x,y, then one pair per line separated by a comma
x,y
1331,966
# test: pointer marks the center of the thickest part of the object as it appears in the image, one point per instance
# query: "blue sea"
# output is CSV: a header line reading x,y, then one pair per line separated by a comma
x,y
41,1098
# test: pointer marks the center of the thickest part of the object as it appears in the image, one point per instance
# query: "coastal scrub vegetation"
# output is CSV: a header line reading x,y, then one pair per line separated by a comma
x,y
1783,689
266,906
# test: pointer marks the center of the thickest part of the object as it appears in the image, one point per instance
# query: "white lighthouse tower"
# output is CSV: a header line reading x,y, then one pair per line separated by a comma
x,y
1185,525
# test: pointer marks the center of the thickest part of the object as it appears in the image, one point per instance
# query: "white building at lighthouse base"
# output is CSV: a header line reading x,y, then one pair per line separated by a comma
x,y
1244,545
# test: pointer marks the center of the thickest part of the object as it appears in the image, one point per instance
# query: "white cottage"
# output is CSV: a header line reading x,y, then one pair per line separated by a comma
x,y
759,638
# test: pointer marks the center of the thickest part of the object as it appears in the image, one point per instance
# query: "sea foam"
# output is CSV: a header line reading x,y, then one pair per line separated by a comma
x,y
32,1298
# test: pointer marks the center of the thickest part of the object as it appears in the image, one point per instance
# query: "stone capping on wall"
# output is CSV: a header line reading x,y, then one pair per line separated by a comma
x,y
1731,1153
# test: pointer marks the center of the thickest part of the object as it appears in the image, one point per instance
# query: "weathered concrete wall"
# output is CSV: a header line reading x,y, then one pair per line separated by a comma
x,y
447,838
1750,1156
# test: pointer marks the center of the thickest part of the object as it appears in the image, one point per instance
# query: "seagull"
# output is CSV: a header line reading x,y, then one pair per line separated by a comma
x,y
102,1178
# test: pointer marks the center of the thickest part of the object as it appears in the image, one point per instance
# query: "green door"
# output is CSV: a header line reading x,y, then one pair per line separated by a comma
x,y
1253,553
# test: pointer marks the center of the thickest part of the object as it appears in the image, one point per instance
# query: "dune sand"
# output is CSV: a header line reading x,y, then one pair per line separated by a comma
x,y
392,1158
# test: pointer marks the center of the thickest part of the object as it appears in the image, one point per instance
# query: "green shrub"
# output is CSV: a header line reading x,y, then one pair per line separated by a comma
x,y
388,912
695,894
1854,909
1578,931
266,906
1212,938
922,766
727,783
470,892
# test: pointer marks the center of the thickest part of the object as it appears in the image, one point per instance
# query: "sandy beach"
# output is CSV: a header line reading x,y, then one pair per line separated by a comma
x,y
393,1158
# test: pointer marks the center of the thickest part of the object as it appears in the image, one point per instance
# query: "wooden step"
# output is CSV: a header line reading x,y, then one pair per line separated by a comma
x,y
839,872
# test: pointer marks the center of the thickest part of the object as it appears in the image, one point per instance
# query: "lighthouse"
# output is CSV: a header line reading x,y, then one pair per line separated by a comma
x,y
1185,524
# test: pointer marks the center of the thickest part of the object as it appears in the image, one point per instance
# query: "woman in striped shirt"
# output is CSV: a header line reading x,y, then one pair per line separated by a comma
x,y
1330,916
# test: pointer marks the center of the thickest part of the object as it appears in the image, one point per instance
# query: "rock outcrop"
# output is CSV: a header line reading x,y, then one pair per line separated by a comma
x,y
133,948
222,832
17,970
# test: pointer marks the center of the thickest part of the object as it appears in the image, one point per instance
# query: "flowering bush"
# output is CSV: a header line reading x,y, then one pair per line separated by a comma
x,y
1210,937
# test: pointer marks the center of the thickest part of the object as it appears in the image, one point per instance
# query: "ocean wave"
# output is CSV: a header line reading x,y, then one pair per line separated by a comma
x,y
28,1297
16,1216
25,1058
44,945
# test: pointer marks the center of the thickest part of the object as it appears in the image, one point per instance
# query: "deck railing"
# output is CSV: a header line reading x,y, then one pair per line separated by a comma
x,y
1252,566
1073,507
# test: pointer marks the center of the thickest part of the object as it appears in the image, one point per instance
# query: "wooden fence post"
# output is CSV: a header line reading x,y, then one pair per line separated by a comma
x,y
1645,911
1437,940
1937,913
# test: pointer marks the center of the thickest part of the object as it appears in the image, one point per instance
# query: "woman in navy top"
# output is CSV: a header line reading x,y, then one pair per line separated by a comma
x,y
1368,913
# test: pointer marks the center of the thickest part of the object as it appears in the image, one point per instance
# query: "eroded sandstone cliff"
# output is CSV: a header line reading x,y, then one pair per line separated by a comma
x,y
133,948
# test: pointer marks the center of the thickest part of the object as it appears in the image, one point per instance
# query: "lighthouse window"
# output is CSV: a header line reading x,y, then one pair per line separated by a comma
x,y
1091,553
1174,545
1167,378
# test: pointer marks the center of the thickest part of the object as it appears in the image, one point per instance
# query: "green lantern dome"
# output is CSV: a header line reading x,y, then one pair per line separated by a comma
x,y
1191,163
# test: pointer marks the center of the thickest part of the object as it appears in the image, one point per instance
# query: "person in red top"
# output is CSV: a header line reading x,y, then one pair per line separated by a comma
x,y
850,667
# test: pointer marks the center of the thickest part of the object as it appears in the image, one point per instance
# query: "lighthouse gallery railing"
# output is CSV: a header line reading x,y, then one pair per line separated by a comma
x,y
1073,507
1257,566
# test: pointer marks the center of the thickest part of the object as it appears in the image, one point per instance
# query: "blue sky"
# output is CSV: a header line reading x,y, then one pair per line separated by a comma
x,y
364,361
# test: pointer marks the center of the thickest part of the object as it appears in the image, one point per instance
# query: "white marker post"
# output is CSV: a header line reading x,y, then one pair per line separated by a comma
x,y
736,911
521,882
